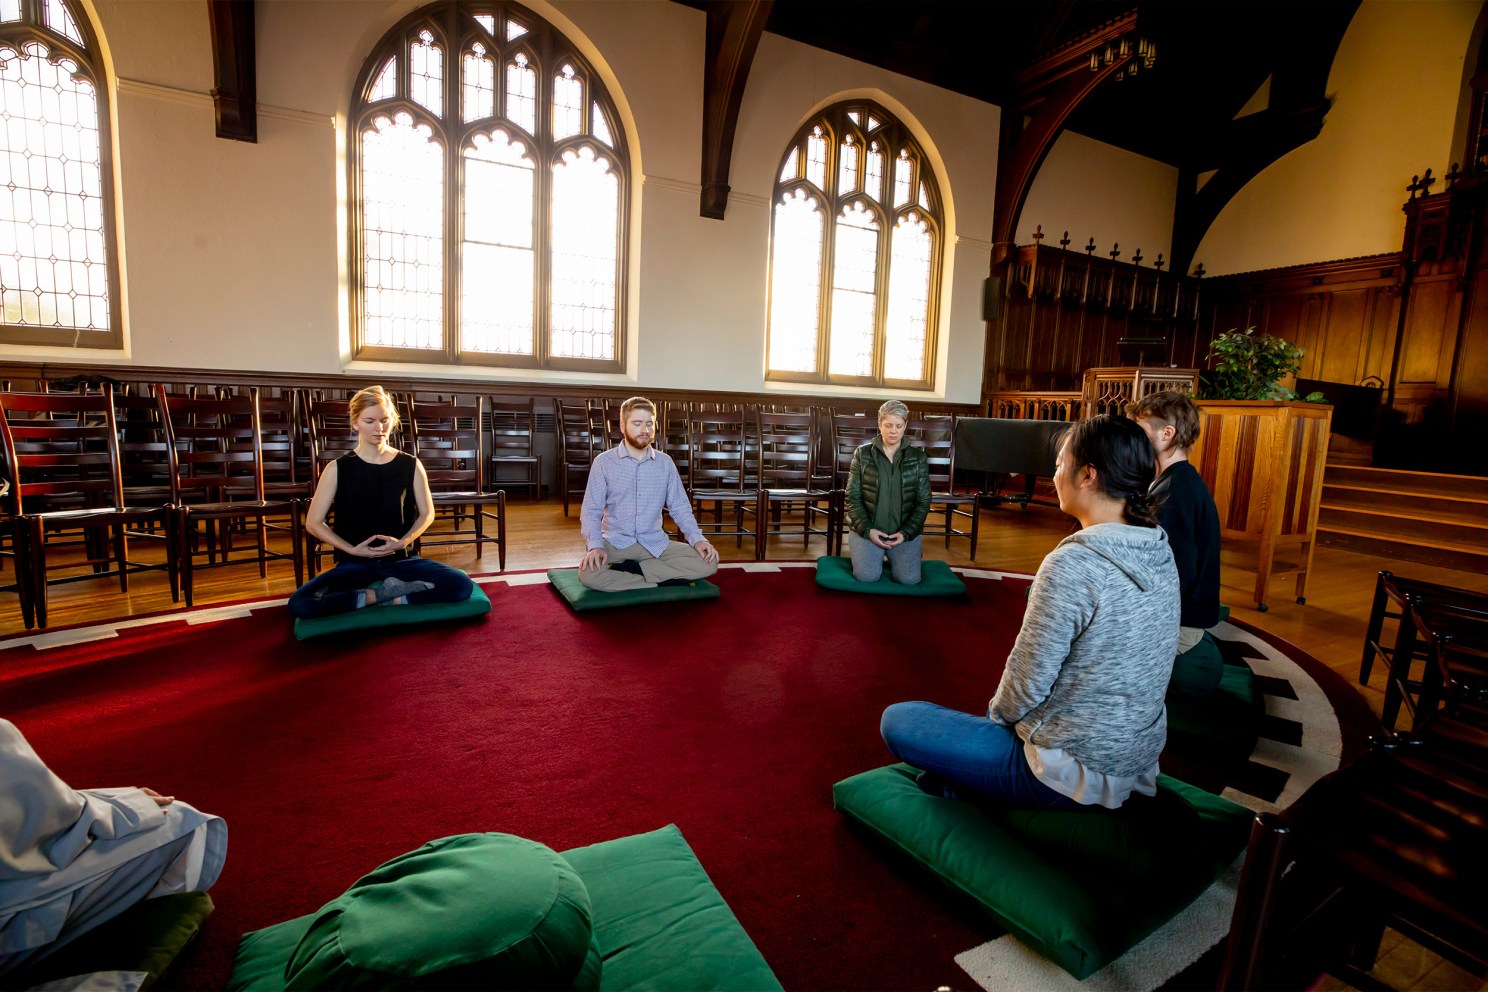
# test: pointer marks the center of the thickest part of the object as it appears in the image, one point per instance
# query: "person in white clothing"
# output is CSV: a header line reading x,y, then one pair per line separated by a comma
x,y
71,860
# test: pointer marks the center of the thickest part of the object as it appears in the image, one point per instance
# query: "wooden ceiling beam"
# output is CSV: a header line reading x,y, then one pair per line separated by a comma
x,y
1243,148
1049,91
733,34
234,64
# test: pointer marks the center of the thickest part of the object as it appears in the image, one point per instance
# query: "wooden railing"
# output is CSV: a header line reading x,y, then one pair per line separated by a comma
x,y
1105,391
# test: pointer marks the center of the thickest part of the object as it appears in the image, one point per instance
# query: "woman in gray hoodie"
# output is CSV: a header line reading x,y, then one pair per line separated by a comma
x,y
1078,718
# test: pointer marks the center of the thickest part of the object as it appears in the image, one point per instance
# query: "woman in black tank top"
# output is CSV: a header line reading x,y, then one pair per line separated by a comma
x,y
381,503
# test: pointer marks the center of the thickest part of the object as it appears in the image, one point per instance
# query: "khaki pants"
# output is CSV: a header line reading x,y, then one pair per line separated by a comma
x,y
677,561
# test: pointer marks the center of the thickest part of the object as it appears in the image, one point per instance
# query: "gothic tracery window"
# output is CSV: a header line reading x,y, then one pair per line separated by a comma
x,y
855,254
59,282
491,195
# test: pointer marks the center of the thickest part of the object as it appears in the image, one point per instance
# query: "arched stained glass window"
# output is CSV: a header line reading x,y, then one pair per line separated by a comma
x,y
856,240
59,280
491,195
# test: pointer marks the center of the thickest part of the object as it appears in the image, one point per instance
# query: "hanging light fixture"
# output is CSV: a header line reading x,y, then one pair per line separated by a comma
x,y
1145,57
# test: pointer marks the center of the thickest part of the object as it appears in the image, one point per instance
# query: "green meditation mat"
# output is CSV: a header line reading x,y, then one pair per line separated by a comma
x,y
936,579
145,937
581,597
1080,887
658,923
392,616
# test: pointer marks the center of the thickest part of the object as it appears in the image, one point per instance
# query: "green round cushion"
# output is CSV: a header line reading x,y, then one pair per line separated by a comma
x,y
470,911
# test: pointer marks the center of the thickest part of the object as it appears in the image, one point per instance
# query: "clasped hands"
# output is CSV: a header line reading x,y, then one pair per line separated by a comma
x,y
377,546
595,558
886,541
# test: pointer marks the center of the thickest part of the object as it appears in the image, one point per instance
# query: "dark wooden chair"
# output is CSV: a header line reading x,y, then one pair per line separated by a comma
x,y
937,436
577,447
512,428
66,490
788,483
1406,649
1396,838
723,490
849,432
217,482
450,442
1455,681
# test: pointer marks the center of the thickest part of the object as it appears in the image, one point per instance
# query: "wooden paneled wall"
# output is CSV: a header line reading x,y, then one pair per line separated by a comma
x,y
1067,311
1414,322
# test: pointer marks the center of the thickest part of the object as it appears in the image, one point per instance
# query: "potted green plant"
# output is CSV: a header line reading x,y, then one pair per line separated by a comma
x,y
1250,366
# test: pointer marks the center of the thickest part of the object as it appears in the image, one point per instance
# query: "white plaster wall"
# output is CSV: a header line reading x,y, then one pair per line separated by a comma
x,y
1394,86
1095,190
235,253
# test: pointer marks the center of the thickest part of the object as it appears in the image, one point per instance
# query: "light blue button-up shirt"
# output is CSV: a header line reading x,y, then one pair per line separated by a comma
x,y
624,498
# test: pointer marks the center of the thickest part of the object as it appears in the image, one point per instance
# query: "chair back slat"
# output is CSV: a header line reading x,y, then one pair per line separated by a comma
x,y
787,449
718,450
449,441
61,448
214,446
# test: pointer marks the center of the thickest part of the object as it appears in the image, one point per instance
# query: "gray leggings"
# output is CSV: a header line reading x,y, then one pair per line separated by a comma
x,y
868,559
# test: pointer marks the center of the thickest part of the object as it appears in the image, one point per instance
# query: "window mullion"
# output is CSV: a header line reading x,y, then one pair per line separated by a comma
x,y
881,291
542,268
454,198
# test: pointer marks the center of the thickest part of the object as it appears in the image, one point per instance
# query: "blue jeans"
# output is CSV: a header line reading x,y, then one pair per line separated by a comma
x,y
335,591
868,560
984,759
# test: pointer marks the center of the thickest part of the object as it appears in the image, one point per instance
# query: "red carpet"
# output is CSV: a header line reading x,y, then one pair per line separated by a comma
x,y
731,718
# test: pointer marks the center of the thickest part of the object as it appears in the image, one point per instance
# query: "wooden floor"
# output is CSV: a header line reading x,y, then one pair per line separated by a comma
x,y
1330,626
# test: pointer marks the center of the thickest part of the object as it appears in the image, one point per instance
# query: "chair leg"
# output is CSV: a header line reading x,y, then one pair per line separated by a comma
x,y
22,570
501,530
172,562
297,542
187,532
121,556
1376,625
976,522
37,567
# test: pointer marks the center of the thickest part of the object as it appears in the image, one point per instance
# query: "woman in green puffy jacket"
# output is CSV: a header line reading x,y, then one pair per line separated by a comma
x,y
888,498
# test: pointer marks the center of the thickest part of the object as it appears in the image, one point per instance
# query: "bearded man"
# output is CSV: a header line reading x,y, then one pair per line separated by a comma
x,y
621,516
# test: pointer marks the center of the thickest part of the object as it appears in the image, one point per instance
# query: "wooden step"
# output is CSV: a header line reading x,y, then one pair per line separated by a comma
x,y
1411,527
1426,506
1466,560
1398,480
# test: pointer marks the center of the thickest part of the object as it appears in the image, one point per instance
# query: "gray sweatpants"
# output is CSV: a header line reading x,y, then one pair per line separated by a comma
x,y
677,561
868,559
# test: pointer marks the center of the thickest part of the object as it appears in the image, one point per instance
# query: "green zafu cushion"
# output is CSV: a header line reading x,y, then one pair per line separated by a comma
x,y
262,956
936,579
470,911
581,597
1197,671
145,937
660,922
392,616
1063,882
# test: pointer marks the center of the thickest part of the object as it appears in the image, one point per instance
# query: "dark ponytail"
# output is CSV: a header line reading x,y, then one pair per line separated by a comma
x,y
1125,464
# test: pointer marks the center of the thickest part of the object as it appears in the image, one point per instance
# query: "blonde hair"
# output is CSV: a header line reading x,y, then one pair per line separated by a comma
x,y
373,396
636,403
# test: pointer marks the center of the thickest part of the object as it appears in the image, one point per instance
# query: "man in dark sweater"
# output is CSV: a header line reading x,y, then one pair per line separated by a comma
x,y
1187,513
